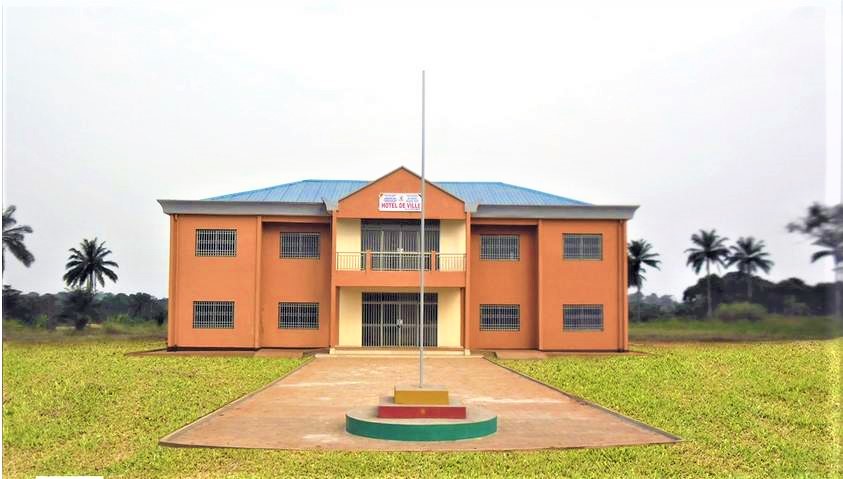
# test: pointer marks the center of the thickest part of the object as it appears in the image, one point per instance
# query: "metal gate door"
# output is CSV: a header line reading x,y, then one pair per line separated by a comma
x,y
392,319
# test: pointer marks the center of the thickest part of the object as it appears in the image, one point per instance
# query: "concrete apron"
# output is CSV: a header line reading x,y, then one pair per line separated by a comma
x,y
306,410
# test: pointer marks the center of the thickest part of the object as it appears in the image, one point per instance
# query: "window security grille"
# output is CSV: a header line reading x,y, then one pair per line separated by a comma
x,y
580,246
213,314
500,317
298,315
300,245
500,247
582,317
216,242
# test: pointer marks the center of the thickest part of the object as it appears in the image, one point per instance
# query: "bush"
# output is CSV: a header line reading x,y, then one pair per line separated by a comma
x,y
737,311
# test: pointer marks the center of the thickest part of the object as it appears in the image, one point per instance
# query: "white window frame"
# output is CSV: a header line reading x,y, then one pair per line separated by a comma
x,y
299,252
216,242
579,250
498,250
498,313
213,314
299,312
577,311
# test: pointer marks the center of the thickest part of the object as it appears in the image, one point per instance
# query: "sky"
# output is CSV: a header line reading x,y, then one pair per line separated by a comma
x,y
707,117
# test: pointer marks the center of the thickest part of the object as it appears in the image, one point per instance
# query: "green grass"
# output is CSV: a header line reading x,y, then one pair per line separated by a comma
x,y
759,409
108,330
773,327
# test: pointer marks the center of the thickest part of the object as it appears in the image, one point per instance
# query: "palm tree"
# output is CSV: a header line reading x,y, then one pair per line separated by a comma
x,y
750,256
710,248
13,237
825,225
80,307
87,265
640,255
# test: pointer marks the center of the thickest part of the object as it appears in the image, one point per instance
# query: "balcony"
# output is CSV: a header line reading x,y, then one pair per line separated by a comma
x,y
396,268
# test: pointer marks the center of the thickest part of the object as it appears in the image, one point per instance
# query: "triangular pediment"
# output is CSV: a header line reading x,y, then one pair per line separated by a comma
x,y
364,202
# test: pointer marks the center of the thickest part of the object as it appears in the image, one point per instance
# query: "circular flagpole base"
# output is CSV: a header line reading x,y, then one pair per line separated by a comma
x,y
365,422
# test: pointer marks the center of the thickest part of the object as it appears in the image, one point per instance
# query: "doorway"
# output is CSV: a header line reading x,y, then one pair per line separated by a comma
x,y
392,319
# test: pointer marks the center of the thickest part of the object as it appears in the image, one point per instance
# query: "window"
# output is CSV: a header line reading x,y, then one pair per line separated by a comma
x,y
580,246
298,315
500,317
216,242
300,245
500,247
213,314
582,317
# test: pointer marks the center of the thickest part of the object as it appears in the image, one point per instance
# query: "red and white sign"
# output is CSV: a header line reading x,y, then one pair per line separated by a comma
x,y
399,202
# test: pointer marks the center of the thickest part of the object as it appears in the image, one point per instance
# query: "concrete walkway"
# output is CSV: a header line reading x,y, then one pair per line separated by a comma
x,y
306,410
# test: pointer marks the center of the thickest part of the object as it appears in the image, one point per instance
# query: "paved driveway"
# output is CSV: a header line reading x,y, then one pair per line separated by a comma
x,y
306,410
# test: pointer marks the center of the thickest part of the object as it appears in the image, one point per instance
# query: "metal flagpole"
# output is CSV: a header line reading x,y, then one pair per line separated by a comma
x,y
421,255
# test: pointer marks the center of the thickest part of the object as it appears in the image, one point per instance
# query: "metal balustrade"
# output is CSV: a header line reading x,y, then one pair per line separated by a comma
x,y
450,262
398,261
355,261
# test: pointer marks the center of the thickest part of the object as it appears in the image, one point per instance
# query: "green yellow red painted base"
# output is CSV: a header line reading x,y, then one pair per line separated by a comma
x,y
364,422
413,394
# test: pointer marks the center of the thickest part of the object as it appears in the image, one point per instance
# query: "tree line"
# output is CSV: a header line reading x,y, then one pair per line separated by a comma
x,y
88,266
822,224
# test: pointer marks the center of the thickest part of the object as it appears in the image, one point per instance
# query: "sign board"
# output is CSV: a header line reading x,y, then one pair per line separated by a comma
x,y
399,202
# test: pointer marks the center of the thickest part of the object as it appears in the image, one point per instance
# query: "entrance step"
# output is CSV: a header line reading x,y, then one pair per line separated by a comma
x,y
397,353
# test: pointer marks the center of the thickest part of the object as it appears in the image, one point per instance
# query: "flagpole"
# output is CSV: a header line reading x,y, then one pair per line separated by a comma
x,y
421,254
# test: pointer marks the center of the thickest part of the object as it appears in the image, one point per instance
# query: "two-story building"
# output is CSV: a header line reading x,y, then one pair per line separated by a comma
x,y
326,263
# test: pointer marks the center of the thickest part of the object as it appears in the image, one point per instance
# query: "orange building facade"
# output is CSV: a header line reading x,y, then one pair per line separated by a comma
x,y
333,264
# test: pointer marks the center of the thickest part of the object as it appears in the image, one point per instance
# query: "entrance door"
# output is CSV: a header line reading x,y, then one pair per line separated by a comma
x,y
392,319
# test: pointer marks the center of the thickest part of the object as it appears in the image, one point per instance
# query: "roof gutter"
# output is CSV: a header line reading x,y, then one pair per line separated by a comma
x,y
580,212
215,207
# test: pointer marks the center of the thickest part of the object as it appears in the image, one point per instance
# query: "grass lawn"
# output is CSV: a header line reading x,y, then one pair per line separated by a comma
x,y
773,327
754,409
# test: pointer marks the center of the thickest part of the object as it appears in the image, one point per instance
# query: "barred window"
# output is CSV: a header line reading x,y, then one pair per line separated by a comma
x,y
298,315
299,245
500,317
216,242
582,317
500,247
213,314
583,246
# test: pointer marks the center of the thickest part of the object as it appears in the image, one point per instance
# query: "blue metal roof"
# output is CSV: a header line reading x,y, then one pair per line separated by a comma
x,y
471,192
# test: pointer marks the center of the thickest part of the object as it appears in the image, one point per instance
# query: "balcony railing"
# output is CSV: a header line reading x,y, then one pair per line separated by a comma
x,y
398,261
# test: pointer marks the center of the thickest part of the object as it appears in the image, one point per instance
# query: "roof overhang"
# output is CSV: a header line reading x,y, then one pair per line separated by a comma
x,y
579,212
215,207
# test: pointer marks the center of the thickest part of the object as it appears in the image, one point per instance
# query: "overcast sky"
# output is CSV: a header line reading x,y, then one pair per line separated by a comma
x,y
707,118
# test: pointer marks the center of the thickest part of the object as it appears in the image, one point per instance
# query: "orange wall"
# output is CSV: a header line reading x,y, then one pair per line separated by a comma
x,y
582,282
294,280
504,282
214,279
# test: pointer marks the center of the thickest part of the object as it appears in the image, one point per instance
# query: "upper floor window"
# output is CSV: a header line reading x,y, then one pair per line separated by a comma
x,y
500,247
299,245
213,314
583,246
582,317
298,315
216,242
500,317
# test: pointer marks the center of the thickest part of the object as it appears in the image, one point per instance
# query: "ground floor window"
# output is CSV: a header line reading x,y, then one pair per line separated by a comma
x,y
298,315
213,314
500,317
582,317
